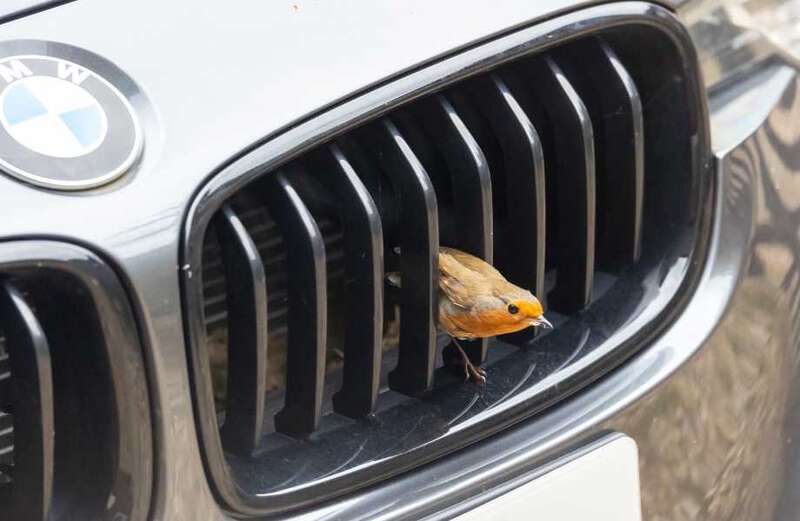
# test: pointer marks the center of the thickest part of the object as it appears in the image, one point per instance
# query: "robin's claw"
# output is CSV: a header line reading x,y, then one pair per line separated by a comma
x,y
477,375
471,372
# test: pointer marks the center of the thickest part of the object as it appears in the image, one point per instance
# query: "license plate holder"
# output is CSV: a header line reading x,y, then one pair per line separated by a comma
x,y
598,482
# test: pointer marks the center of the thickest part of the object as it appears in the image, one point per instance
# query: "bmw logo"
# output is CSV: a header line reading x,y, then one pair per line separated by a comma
x,y
63,126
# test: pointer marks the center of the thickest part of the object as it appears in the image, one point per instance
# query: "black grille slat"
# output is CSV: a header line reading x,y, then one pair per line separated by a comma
x,y
247,322
363,287
31,405
619,133
419,244
471,188
570,158
631,249
307,319
522,221
472,182
525,179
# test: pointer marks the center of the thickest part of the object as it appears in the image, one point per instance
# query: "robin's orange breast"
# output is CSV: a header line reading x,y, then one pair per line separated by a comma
x,y
480,325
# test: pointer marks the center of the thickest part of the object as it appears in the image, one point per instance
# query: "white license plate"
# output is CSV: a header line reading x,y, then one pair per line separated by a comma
x,y
598,485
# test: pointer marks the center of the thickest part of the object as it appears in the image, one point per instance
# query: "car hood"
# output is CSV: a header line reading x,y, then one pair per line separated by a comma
x,y
215,79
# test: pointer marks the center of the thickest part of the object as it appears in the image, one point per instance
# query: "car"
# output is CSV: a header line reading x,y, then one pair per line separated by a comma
x,y
220,226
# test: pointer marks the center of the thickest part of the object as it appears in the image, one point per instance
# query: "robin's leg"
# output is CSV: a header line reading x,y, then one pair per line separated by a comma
x,y
476,374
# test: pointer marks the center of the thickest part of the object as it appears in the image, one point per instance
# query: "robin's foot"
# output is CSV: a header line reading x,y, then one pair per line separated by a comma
x,y
476,374
471,371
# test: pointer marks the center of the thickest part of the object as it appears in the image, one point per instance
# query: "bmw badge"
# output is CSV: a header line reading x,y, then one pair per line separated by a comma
x,y
63,126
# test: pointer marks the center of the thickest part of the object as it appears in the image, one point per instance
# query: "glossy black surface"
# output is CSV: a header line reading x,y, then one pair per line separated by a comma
x,y
518,171
569,150
458,168
12,9
626,312
363,336
30,400
419,244
96,440
307,307
522,186
619,168
247,358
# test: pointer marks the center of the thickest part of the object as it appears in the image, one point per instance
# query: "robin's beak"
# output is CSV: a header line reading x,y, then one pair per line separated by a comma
x,y
541,321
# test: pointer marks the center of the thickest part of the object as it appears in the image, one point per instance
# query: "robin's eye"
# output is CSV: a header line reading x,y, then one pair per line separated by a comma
x,y
513,309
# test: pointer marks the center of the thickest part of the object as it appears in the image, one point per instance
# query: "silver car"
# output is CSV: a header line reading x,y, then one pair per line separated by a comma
x,y
220,224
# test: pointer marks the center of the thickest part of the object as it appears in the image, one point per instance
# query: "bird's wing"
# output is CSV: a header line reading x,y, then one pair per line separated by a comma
x,y
474,277
473,263
459,282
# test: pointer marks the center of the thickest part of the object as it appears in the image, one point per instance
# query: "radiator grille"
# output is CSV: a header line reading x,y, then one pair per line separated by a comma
x,y
74,424
579,170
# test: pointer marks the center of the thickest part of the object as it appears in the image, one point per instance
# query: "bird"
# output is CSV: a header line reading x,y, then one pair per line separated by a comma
x,y
477,301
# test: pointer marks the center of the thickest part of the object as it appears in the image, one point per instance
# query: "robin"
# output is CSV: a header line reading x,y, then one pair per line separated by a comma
x,y
476,301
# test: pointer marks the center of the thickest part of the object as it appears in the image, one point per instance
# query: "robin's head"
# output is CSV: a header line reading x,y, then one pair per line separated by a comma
x,y
526,309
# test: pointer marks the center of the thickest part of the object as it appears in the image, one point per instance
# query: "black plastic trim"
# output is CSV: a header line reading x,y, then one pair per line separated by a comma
x,y
472,189
364,275
305,366
419,241
30,363
620,168
572,163
21,8
524,171
247,314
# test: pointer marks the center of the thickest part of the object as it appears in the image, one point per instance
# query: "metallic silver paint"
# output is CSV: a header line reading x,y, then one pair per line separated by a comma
x,y
734,36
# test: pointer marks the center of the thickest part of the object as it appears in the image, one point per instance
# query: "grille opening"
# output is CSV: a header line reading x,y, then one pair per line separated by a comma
x,y
82,420
64,420
576,170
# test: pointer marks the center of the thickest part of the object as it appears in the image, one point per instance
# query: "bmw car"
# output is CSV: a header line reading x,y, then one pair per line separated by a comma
x,y
220,288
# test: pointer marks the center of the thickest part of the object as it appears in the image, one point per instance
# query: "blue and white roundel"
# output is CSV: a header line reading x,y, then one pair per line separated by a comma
x,y
62,125
53,117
